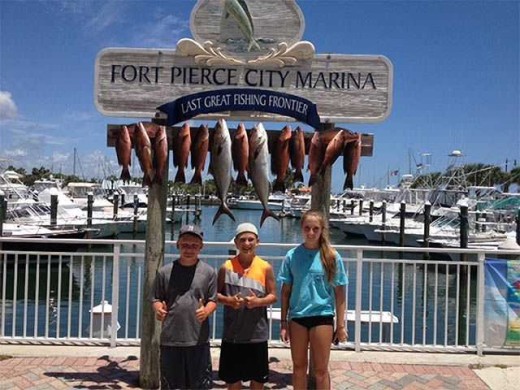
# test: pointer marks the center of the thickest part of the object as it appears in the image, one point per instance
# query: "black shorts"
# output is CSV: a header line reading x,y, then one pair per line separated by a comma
x,y
186,367
243,362
311,322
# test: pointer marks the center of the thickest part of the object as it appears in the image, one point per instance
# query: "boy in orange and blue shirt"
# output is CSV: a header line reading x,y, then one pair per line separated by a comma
x,y
246,286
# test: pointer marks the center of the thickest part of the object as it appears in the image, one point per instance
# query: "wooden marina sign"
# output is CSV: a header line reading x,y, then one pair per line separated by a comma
x,y
241,49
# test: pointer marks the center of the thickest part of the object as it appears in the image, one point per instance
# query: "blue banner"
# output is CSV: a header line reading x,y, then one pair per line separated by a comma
x,y
241,99
502,303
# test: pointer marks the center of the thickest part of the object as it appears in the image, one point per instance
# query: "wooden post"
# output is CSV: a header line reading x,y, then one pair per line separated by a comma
x,y
426,234
149,372
360,205
54,210
90,202
187,208
3,209
116,204
173,216
464,227
352,206
517,227
320,193
383,220
402,213
371,211
136,212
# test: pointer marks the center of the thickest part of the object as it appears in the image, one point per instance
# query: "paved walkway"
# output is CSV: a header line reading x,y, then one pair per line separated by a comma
x,y
78,369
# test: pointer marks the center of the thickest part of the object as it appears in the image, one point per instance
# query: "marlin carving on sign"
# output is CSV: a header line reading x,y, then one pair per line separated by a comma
x,y
239,10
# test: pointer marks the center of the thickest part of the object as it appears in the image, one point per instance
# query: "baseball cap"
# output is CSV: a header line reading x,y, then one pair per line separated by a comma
x,y
192,229
246,227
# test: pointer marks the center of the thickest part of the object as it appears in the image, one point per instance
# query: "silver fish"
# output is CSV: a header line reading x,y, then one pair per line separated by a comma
x,y
239,10
259,168
220,166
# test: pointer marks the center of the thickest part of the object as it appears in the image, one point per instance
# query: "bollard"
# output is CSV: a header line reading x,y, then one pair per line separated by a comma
x,y
402,214
90,202
54,209
371,211
116,205
426,234
360,204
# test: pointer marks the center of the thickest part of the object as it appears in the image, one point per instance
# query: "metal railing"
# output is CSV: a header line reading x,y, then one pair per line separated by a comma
x,y
91,292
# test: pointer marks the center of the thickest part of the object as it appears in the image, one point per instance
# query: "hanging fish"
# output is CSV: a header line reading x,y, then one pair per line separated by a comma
x,y
297,149
220,166
351,158
280,158
333,150
240,153
124,152
143,150
316,153
160,149
181,152
259,168
199,152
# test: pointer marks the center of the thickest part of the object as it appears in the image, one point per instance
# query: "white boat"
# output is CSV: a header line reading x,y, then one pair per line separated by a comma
x,y
275,202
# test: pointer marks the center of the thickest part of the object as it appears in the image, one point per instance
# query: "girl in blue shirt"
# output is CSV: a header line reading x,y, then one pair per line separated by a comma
x,y
313,291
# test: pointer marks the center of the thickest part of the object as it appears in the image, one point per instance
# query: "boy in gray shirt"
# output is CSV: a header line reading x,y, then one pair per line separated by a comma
x,y
185,295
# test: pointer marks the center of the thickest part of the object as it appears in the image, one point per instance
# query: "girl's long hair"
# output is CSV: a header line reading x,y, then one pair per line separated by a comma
x,y
328,254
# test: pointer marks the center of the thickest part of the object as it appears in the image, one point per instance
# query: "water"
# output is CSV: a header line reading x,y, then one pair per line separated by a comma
x,y
386,286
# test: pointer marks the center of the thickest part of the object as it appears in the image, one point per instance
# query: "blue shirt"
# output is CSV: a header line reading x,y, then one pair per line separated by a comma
x,y
312,294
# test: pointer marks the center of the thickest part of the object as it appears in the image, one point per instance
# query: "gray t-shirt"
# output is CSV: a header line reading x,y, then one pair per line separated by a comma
x,y
181,288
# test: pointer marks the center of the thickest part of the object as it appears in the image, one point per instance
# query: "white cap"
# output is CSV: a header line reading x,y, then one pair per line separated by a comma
x,y
246,227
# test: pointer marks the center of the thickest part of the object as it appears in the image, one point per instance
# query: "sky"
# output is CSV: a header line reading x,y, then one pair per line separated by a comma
x,y
456,78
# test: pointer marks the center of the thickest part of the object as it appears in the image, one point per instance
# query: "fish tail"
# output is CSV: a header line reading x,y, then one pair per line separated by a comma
x,y
349,182
278,186
125,175
223,209
180,177
298,176
268,213
197,178
253,45
241,179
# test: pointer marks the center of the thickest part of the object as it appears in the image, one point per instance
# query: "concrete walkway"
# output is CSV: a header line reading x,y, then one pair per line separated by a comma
x,y
53,367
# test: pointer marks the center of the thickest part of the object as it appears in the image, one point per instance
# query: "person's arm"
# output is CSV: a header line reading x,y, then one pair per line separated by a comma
x,y
284,328
341,330
270,289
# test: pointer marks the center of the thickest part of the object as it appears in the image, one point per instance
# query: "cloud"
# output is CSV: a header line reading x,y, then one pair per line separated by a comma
x,y
164,31
8,109
108,14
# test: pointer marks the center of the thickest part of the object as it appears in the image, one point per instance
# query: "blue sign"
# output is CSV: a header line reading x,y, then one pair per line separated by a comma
x,y
241,99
